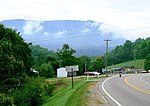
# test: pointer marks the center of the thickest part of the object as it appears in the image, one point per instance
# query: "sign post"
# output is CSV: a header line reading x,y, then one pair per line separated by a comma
x,y
72,69
72,77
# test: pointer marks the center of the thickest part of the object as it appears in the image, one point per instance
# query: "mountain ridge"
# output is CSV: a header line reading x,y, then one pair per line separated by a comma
x,y
86,37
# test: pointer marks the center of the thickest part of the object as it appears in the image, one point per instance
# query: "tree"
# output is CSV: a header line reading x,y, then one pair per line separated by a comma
x,y
44,59
144,49
15,58
128,51
84,61
147,63
122,53
66,56
42,55
98,64
46,70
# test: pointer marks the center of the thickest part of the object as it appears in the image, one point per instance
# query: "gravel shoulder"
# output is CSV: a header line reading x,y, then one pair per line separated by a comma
x,y
96,97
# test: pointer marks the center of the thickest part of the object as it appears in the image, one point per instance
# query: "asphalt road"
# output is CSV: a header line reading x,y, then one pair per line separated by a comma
x,y
128,90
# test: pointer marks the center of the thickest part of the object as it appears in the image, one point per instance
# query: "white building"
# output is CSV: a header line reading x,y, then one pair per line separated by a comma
x,y
67,71
61,72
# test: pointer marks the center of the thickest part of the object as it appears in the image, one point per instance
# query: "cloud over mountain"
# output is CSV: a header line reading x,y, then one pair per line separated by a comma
x,y
84,36
32,27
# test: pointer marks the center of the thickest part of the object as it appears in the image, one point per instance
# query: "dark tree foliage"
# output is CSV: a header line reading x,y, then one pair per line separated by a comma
x,y
45,61
130,50
15,58
98,64
84,64
42,55
147,63
143,49
66,56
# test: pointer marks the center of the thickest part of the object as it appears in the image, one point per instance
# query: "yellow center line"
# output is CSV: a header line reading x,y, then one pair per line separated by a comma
x,y
141,90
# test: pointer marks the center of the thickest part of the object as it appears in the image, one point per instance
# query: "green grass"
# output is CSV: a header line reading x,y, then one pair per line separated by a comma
x,y
79,98
137,64
64,95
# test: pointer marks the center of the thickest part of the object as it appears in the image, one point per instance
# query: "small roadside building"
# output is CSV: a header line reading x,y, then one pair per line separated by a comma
x,y
61,72
67,71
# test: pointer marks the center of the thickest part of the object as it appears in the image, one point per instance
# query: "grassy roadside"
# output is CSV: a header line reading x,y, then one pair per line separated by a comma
x,y
79,98
137,64
66,96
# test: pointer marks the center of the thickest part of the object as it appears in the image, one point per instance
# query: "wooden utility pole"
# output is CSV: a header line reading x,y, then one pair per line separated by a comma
x,y
106,61
72,77
85,66
135,55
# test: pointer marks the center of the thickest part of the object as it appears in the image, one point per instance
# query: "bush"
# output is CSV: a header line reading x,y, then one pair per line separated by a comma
x,y
147,63
6,100
46,70
33,93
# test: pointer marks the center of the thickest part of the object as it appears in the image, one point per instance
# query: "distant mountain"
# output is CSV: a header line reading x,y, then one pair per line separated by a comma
x,y
86,37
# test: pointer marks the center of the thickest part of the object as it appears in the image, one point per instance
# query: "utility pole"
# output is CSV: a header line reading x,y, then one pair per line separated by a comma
x,y
86,71
135,58
60,64
106,61
72,77
134,55
85,66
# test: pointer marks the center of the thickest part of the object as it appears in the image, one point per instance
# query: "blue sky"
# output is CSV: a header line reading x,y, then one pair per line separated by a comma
x,y
128,19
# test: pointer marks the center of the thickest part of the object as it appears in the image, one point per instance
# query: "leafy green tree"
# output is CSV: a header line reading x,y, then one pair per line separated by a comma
x,y
144,49
122,53
98,64
46,70
42,55
44,59
116,55
147,63
127,51
15,57
66,56
84,61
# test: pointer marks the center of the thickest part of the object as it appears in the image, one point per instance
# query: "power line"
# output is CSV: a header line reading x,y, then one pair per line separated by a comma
x,y
85,35
129,29
66,37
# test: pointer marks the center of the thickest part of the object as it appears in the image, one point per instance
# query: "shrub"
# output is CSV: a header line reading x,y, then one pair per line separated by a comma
x,y
33,93
6,100
46,70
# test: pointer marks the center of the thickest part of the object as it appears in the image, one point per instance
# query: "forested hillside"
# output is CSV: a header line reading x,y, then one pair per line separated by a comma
x,y
130,51
48,61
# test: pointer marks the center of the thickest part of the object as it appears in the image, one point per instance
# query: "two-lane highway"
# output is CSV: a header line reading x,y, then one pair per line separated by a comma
x,y
128,90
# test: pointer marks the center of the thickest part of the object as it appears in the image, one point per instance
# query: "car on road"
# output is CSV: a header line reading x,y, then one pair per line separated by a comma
x,y
91,73
96,73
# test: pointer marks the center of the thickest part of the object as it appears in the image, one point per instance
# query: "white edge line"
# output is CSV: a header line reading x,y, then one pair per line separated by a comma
x,y
103,96
104,99
108,93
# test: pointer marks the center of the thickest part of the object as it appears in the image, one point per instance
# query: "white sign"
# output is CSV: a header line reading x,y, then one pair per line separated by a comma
x,y
70,68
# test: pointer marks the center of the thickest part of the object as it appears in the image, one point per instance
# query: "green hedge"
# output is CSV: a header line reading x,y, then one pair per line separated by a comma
x,y
32,93
6,100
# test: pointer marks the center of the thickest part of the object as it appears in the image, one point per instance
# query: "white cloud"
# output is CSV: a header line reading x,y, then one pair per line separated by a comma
x,y
115,13
127,32
31,27
60,34
45,33
86,30
90,25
